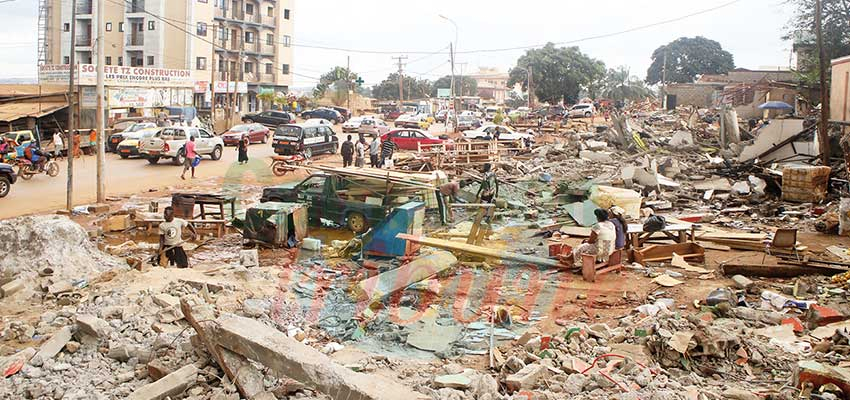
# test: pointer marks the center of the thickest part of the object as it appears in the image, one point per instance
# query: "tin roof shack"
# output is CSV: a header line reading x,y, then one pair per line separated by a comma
x,y
698,94
839,102
274,224
33,107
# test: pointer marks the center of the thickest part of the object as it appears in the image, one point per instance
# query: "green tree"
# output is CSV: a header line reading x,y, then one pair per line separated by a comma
x,y
619,84
266,98
332,77
801,31
559,73
516,100
469,86
413,88
688,57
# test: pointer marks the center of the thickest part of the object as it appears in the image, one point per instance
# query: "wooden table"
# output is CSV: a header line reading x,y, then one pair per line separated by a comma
x,y
679,233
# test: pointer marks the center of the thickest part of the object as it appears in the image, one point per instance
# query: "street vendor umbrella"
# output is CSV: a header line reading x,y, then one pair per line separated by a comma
x,y
776,105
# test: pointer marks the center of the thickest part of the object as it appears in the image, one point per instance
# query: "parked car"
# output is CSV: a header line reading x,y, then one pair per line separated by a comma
x,y
490,113
257,133
444,115
168,143
352,125
346,113
489,131
324,113
581,111
409,139
128,133
269,118
393,115
468,122
129,147
308,139
320,193
318,121
7,179
373,127
413,121
20,137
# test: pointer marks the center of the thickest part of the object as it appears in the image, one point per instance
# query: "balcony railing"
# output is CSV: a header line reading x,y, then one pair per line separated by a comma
x,y
252,18
269,21
267,49
136,40
82,41
84,7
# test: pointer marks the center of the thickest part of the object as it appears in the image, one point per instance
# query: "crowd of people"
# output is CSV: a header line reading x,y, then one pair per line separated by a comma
x,y
380,153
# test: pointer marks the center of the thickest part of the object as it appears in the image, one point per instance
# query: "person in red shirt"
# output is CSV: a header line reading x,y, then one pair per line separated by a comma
x,y
189,162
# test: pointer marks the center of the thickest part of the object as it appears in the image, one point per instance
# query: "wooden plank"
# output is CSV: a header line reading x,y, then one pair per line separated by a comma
x,y
480,250
776,271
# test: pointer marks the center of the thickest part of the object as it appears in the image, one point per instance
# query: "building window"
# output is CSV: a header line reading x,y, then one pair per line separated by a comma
x,y
270,12
287,40
150,60
66,27
109,26
286,14
108,60
249,37
249,68
249,9
202,1
120,60
120,27
66,60
285,69
223,34
270,39
202,29
151,25
269,68
201,63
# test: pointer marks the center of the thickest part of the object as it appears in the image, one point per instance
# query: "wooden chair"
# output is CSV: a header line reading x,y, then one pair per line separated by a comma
x,y
783,239
590,268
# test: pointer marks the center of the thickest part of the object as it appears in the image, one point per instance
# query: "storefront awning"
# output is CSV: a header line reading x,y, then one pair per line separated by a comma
x,y
14,111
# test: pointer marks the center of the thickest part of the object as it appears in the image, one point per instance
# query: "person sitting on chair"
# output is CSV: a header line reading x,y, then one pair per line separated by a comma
x,y
603,235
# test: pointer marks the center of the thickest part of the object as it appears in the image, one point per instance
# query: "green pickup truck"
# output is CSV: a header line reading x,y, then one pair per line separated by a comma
x,y
319,192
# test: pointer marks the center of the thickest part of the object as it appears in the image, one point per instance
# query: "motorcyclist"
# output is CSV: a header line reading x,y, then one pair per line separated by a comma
x,y
37,157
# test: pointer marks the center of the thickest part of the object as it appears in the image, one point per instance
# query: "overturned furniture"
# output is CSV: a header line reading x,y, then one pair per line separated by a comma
x,y
274,224
590,268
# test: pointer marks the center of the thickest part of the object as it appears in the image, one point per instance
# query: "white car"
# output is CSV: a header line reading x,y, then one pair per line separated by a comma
x,y
489,131
318,121
352,125
168,143
373,127
581,111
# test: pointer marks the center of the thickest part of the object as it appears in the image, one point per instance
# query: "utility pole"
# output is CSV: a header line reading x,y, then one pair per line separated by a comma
x,y
462,65
400,77
101,117
531,87
453,85
212,81
664,82
69,204
348,84
823,128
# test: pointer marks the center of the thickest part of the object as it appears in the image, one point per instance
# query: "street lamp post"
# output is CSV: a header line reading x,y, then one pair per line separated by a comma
x,y
452,50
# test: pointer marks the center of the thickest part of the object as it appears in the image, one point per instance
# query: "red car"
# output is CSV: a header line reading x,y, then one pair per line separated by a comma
x,y
257,133
409,139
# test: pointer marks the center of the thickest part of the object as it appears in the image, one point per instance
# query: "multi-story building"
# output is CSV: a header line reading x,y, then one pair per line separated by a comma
x,y
492,84
244,42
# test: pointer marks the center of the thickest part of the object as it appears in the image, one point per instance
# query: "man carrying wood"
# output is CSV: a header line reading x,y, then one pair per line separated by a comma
x,y
171,239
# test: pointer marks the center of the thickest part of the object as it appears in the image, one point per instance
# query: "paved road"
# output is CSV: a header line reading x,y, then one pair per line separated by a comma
x,y
123,177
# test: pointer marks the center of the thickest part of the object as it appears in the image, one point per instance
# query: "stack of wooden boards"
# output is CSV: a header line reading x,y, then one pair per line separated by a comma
x,y
451,155
384,187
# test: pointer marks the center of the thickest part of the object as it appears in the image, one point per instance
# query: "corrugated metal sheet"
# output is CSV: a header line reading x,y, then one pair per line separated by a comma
x,y
13,111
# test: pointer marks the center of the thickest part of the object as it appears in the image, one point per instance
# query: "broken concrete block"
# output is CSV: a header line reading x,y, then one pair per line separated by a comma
x,y
682,138
117,223
124,352
98,208
456,381
52,346
742,282
741,188
172,384
165,300
11,288
595,156
93,326
527,377
377,287
249,258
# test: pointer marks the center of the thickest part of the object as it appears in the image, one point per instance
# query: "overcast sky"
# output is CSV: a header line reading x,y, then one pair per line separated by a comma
x,y
749,29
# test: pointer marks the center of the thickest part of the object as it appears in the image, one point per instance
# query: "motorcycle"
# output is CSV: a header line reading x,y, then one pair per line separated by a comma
x,y
26,168
281,165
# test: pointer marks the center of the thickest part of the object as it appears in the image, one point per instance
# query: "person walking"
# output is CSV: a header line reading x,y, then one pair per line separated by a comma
x,y
347,151
189,161
171,239
360,153
76,140
374,152
388,147
489,185
57,144
242,148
